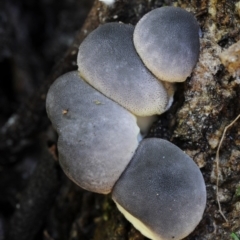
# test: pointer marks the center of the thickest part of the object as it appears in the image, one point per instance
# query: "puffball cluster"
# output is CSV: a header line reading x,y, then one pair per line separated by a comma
x,y
99,111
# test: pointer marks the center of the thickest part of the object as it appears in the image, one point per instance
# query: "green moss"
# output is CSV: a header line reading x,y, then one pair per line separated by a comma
x,y
234,236
237,191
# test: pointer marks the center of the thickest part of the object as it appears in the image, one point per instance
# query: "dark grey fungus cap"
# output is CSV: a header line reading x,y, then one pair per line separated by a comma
x,y
167,40
162,191
108,61
97,137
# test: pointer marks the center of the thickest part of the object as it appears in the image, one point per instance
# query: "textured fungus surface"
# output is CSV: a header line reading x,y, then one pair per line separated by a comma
x,y
109,62
97,137
167,40
164,189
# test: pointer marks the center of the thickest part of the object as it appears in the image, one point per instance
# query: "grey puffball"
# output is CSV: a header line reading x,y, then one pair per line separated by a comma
x,y
167,40
97,137
125,78
162,191
108,61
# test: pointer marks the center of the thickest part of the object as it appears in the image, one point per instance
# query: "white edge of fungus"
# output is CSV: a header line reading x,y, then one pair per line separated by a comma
x,y
137,223
170,101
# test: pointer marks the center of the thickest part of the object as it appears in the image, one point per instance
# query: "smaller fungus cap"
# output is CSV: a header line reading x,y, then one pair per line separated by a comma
x,y
97,137
108,61
162,191
108,2
167,40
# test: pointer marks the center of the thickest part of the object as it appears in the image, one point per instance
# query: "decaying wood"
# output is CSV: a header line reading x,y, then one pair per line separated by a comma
x,y
217,165
36,201
204,105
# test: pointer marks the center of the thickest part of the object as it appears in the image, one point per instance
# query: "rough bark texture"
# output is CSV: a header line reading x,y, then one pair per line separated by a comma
x,y
203,106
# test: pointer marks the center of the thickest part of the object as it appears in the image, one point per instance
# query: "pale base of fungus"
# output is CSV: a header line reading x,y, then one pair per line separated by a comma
x,y
137,224
171,88
145,123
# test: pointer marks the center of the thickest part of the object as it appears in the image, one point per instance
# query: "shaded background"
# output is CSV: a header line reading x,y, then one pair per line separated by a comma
x,y
34,35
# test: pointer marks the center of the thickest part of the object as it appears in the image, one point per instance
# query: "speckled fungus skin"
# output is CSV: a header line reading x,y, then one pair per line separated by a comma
x,y
97,137
108,61
162,191
167,40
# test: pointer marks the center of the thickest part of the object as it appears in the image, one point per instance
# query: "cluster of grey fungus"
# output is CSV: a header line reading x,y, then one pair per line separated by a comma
x,y
101,113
